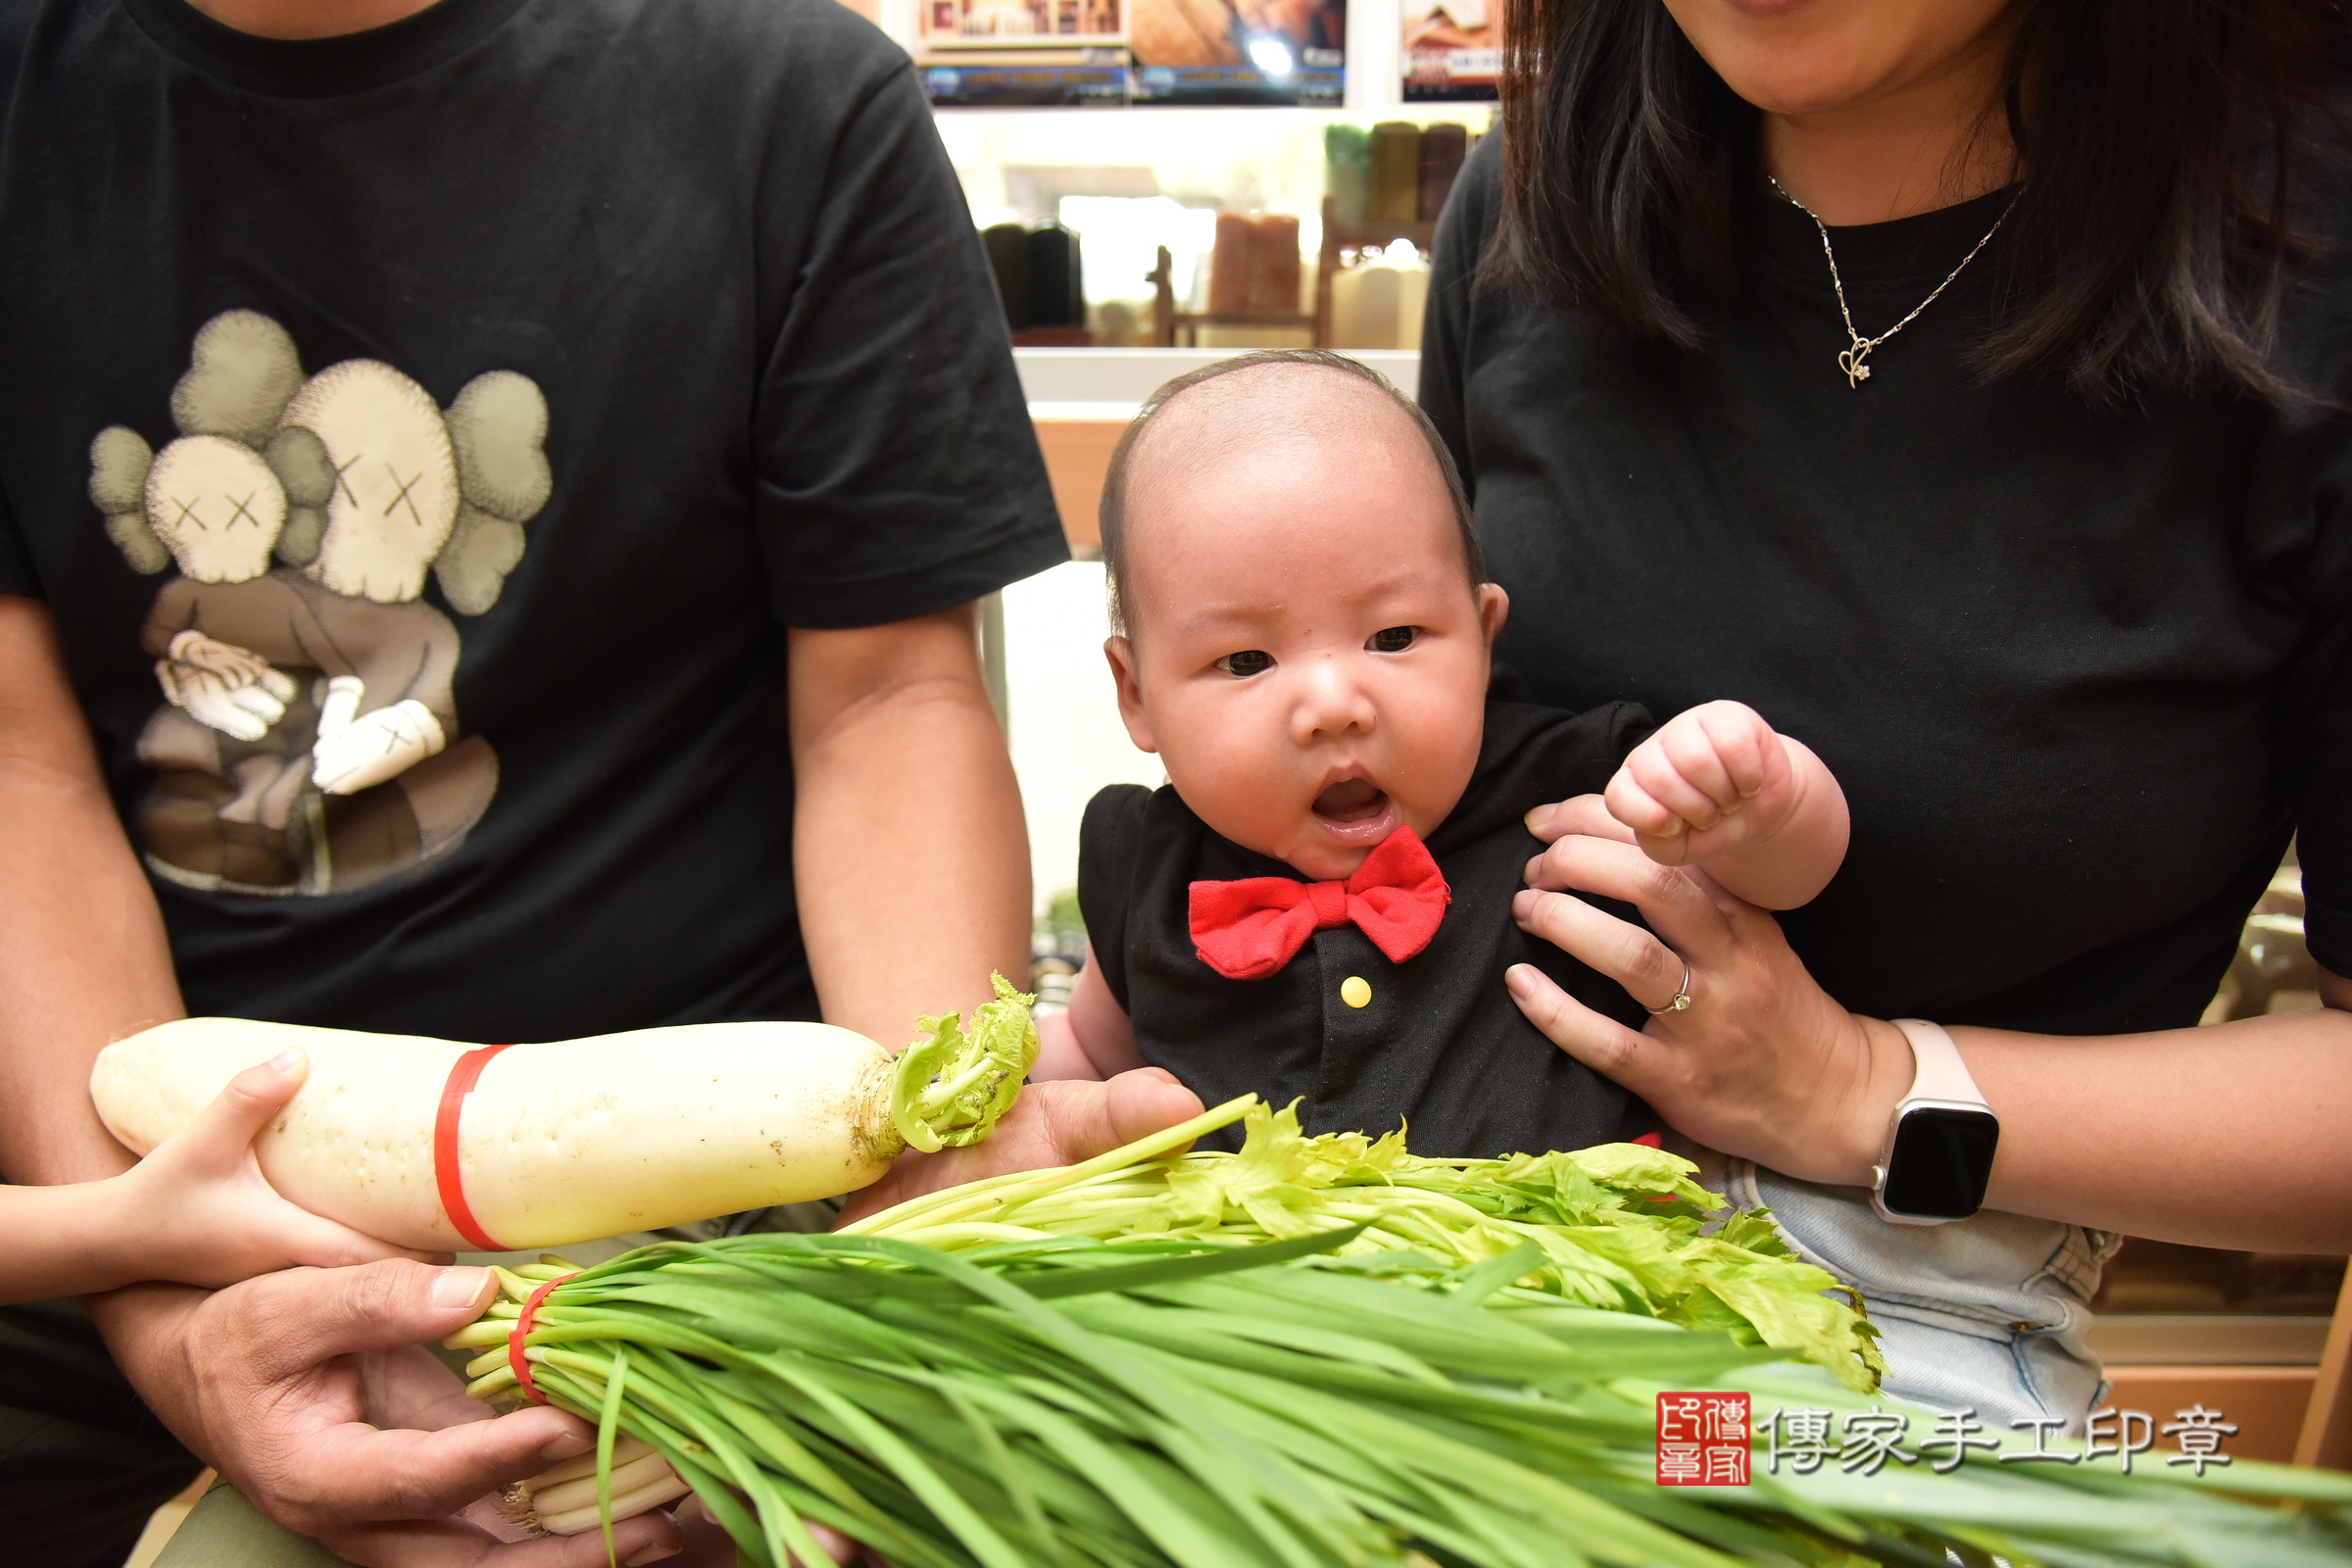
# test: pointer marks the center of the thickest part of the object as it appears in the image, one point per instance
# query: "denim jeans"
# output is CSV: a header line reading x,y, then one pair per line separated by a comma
x,y
1988,1314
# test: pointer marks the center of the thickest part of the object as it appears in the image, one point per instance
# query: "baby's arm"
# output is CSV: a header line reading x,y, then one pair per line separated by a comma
x,y
197,1210
1094,1038
1717,787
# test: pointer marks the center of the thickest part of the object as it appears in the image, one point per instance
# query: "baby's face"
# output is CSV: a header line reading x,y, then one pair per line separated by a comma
x,y
1307,656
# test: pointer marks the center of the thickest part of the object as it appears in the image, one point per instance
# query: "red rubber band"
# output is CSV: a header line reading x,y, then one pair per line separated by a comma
x,y
448,1175
522,1327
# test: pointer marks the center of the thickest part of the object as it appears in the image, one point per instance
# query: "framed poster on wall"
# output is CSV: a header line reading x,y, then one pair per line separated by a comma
x,y
952,24
1452,49
1239,51
980,53
1024,53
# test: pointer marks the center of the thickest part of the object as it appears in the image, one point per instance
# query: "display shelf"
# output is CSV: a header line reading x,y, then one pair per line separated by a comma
x,y
1111,383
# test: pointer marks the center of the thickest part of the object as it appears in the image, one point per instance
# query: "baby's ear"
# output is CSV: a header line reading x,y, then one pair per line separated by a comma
x,y
1121,654
1493,608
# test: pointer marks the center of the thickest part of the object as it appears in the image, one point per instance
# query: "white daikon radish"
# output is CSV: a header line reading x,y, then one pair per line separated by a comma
x,y
574,1139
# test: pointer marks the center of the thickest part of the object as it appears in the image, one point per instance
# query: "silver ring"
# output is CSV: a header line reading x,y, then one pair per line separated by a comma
x,y
1682,998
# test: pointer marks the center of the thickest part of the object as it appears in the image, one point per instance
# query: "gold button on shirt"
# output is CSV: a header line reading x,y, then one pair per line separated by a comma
x,y
1356,991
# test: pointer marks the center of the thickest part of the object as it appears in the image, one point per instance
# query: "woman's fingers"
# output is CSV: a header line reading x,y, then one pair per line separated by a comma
x,y
1687,910
1601,1044
328,1244
1587,814
1650,971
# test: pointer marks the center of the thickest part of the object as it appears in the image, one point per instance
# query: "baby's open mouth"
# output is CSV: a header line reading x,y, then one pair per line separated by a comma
x,y
1351,800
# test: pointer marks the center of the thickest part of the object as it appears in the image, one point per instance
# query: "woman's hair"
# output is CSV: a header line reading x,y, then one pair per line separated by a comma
x,y
2157,140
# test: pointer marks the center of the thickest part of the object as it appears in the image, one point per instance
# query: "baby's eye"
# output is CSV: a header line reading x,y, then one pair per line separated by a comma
x,y
1249,662
1393,640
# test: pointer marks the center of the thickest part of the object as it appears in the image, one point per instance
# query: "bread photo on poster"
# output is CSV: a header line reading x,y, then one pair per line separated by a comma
x,y
306,741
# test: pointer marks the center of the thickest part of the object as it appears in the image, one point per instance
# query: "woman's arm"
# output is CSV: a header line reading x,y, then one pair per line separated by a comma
x,y
2232,1134
2226,1136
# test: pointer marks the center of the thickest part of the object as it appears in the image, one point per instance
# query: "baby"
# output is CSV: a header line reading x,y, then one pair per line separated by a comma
x,y
197,1210
1318,904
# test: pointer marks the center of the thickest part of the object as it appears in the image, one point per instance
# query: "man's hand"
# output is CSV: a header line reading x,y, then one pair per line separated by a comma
x,y
1051,1124
309,1390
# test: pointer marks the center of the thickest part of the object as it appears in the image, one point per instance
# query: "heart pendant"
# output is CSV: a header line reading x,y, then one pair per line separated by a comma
x,y
1856,373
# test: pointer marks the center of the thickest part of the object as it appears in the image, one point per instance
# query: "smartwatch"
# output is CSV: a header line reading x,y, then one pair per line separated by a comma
x,y
1939,1150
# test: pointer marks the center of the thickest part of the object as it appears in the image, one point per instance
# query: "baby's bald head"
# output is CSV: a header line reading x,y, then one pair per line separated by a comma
x,y
1269,402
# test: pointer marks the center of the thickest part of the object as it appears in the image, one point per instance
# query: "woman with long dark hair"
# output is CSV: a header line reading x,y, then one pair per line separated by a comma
x,y
1963,384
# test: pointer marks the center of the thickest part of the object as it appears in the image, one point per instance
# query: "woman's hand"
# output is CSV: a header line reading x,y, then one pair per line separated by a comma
x,y
1762,1063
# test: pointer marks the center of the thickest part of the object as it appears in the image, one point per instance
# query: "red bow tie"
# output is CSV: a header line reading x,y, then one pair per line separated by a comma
x,y
1248,930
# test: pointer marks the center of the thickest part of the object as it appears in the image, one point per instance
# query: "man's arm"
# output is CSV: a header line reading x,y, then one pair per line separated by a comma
x,y
83,958
911,859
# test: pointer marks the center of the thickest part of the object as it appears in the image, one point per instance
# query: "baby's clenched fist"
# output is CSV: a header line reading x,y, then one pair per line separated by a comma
x,y
1710,780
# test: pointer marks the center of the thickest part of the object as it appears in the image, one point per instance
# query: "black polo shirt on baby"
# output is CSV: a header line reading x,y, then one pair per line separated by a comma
x,y
1440,1044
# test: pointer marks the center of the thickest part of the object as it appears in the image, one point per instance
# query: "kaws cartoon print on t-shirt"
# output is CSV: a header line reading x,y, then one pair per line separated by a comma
x,y
308,741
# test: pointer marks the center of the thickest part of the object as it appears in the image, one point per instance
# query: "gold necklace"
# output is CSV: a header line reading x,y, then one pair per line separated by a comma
x,y
1853,357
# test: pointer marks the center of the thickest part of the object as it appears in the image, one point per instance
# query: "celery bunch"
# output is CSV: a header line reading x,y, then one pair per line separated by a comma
x,y
1621,1227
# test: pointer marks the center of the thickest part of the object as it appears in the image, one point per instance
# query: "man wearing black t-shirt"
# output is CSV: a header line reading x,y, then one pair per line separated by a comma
x,y
503,492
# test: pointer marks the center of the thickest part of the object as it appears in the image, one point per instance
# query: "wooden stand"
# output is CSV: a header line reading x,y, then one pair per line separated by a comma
x,y
2326,1437
1168,324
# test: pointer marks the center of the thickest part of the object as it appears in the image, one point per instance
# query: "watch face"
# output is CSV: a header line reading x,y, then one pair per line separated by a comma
x,y
1940,1161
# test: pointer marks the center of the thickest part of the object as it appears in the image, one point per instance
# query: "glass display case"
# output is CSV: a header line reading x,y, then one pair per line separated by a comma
x,y
1212,227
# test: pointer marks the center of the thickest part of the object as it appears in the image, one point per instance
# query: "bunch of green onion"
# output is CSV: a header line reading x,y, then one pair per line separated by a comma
x,y
1007,1375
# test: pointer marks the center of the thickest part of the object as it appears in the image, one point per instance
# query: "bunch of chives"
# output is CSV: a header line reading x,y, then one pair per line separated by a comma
x,y
1053,1401
1230,1407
